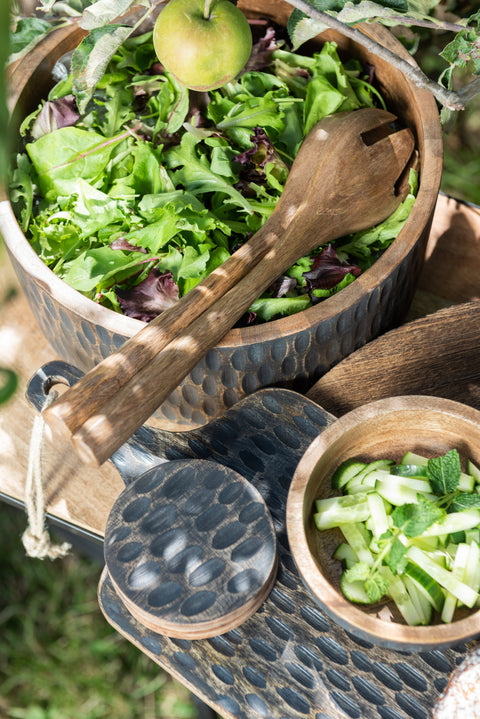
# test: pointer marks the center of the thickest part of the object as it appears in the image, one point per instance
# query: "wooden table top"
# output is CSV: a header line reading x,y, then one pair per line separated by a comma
x,y
449,277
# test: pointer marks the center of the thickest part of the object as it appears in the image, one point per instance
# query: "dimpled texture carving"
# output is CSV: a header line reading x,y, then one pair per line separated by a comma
x,y
288,660
228,373
201,545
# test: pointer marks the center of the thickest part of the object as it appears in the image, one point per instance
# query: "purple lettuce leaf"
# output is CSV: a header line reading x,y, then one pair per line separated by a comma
x,y
253,161
261,55
156,293
54,115
327,271
122,244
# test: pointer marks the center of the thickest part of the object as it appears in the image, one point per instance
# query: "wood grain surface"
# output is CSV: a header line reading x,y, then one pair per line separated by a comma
x,y
84,496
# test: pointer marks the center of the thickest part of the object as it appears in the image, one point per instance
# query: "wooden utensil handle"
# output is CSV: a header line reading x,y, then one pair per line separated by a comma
x,y
83,400
106,430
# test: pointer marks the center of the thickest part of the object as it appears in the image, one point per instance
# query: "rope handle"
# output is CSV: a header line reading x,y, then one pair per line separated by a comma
x,y
36,539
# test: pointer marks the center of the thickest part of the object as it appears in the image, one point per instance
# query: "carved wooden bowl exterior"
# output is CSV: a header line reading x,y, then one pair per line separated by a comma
x,y
291,352
386,428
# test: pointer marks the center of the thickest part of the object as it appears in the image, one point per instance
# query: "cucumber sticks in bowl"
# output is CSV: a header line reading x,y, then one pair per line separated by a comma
x,y
411,533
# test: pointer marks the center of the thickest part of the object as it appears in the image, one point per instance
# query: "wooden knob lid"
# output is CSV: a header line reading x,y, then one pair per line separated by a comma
x,y
190,548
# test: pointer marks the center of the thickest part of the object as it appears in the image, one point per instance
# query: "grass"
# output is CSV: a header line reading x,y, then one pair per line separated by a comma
x,y
59,658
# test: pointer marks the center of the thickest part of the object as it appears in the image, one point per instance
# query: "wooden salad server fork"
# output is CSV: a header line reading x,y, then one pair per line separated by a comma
x,y
350,173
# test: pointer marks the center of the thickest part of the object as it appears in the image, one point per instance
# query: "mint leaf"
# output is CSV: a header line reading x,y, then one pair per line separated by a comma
x,y
414,519
395,559
376,586
444,472
465,500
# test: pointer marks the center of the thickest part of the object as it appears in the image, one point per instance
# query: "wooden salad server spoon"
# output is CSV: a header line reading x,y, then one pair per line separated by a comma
x,y
350,173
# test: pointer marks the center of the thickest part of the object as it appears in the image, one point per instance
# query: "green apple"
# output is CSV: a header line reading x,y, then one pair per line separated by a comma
x,y
203,43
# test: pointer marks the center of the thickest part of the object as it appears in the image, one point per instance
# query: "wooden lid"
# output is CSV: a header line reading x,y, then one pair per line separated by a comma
x,y
190,548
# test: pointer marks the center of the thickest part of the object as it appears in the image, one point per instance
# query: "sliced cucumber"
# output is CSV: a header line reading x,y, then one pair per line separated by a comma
x,y
361,483
354,591
379,464
458,537
412,458
419,600
334,511
459,589
428,544
344,553
415,483
454,522
440,569
458,571
426,585
378,516
472,569
410,470
398,593
473,470
397,493
472,535
348,469
359,539
366,480
466,483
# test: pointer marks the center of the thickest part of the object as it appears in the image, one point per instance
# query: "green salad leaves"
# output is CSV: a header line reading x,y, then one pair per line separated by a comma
x,y
138,194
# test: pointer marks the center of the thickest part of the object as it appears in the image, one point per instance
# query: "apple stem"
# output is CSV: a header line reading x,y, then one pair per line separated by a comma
x,y
206,9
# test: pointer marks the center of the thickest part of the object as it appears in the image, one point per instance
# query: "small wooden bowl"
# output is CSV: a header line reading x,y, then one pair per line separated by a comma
x,y
289,352
386,428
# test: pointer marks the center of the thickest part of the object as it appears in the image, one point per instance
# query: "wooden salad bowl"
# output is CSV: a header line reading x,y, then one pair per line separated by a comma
x,y
383,429
293,351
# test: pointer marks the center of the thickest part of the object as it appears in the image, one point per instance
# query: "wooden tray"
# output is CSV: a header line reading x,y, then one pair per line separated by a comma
x,y
288,659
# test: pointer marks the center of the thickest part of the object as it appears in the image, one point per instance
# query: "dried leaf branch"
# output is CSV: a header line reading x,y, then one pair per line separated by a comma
x,y
448,98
